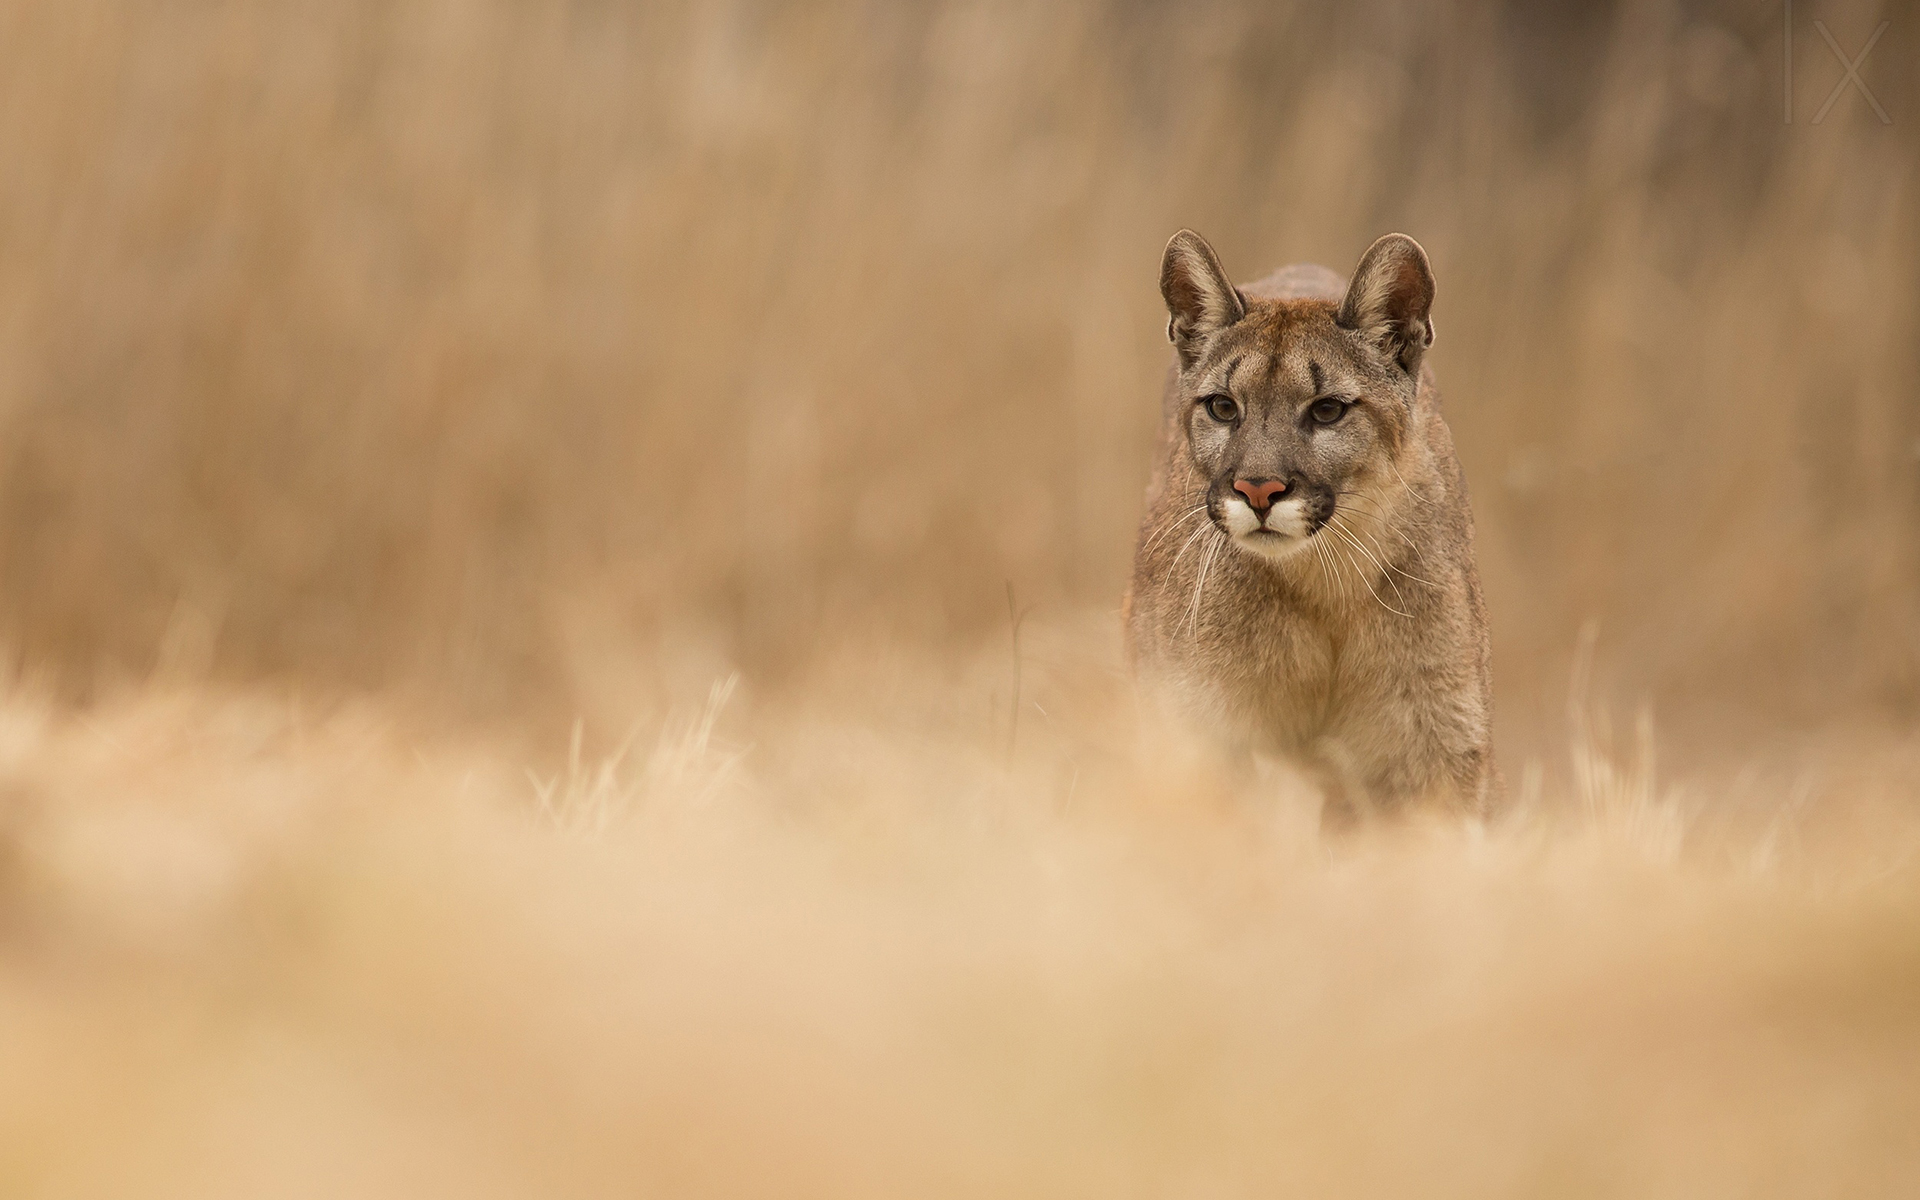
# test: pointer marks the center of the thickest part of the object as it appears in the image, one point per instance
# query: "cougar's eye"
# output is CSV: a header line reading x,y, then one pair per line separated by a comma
x,y
1224,409
1326,412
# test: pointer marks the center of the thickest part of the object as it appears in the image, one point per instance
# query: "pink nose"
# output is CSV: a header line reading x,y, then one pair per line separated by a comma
x,y
1260,493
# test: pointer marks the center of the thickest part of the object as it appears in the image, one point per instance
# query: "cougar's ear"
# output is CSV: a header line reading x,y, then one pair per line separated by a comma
x,y
1201,301
1389,300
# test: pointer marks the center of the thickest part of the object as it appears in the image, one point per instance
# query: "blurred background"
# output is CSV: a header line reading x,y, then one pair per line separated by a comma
x,y
543,361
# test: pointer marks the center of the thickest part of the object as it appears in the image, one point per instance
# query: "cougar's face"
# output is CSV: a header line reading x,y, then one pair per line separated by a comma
x,y
1296,407
1289,416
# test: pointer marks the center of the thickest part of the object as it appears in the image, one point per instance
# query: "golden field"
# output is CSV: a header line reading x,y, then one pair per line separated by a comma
x,y
559,570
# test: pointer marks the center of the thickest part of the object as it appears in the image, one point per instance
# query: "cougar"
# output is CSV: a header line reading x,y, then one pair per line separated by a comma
x,y
1304,583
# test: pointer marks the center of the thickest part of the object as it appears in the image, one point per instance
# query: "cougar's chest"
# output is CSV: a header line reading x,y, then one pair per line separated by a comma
x,y
1293,681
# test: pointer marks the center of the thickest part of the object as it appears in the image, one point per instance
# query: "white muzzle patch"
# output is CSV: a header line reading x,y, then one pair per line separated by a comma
x,y
1282,531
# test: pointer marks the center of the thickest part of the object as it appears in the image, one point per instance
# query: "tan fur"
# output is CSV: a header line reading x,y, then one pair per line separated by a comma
x,y
1360,651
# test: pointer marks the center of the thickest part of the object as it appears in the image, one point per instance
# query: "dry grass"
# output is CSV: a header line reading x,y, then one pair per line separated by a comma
x,y
509,516
251,954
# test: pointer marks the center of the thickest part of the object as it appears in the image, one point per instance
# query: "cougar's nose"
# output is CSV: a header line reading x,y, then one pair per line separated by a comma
x,y
1261,493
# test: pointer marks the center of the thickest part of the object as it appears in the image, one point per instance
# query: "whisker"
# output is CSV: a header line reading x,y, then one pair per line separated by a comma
x,y
1346,557
1171,525
1349,506
1389,527
1380,520
1363,577
1388,565
1353,536
1351,561
1332,551
1386,560
1327,565
1405,484
1350,501
1191,538
1206,565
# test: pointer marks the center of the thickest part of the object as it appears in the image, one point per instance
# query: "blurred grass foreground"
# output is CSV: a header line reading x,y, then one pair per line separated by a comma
x,y
558,584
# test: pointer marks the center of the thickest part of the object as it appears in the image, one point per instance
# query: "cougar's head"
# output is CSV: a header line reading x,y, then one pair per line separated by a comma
x,y
1295,405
